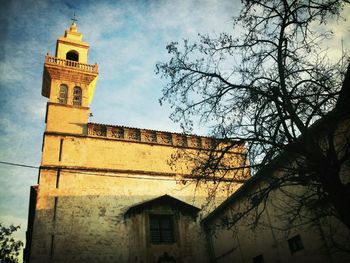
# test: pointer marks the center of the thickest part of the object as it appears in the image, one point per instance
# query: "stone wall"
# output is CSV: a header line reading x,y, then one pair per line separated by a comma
x,y
87,183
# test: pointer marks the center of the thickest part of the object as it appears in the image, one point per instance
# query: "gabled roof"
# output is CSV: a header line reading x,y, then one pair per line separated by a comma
x,y
164,200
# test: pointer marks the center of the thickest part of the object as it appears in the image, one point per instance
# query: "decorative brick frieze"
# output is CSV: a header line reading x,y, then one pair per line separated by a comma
x,y
149,136
194,141
164,138
115,132
180,140
97,130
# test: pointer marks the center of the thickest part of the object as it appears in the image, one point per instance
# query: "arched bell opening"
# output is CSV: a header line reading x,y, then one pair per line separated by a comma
x,y
72,55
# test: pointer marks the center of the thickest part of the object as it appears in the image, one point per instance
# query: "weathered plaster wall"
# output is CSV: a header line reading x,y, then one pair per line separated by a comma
x,y
92,152
83,195
240,242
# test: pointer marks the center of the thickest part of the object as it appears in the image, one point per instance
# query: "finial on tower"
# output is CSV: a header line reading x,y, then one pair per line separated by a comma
x,y
74,19
73,27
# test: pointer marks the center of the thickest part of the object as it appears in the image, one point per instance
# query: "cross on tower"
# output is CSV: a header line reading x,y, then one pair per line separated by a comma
x,y
74,19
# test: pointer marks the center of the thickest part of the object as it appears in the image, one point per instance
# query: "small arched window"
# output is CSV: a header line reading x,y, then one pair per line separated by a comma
x,y
72,55
63,94
77,96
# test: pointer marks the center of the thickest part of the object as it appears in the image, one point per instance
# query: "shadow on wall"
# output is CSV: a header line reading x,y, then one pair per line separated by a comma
x,y
99,228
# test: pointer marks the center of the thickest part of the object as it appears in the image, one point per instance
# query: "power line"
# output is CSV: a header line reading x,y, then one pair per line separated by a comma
x,y
115,174
20,165
110,174
67,170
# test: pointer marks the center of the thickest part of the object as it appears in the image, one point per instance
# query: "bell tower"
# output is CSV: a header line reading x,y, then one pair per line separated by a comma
x,y
69,84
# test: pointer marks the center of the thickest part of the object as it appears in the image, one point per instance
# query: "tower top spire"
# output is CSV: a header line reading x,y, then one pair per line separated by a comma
x,y
73,27
74,19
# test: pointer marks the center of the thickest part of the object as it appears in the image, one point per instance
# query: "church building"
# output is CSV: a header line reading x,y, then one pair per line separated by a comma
x,y
108,193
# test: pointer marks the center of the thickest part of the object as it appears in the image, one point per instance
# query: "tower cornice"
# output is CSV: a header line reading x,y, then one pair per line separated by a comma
x,y
72,42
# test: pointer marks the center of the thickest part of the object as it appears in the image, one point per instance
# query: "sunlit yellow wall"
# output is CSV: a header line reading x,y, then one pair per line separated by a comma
x,y
92,152
91,90
110,177
108,167
60,120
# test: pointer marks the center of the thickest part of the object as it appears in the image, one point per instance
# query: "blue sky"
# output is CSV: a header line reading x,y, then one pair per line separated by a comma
x,y
127,39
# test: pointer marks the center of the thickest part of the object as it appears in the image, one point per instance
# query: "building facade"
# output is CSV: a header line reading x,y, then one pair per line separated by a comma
x,y
107,193
274,238
294,225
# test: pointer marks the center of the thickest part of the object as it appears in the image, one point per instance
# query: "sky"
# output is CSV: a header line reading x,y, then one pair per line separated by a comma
x,y
127,39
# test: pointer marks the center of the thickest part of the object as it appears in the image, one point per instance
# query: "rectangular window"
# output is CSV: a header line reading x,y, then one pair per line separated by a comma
x,y
258,259
295,244
161,229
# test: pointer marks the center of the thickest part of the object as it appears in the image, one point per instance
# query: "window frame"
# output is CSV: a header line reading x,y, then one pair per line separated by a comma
x,y
295,244
63,99
77,101
161,228
258,259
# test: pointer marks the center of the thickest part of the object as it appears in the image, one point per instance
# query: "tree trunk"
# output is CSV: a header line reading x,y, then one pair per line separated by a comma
x,y
339,194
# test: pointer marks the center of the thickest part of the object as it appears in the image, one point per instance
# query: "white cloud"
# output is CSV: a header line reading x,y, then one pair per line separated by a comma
x,y
339,41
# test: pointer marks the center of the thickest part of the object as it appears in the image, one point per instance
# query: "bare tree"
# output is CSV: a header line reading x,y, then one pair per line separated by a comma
x,y
267,84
